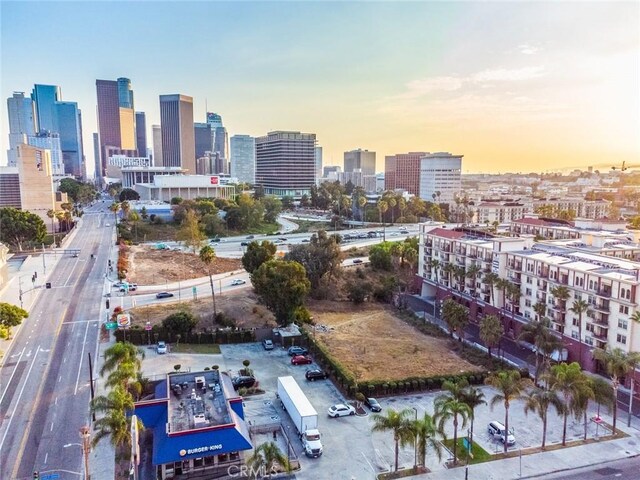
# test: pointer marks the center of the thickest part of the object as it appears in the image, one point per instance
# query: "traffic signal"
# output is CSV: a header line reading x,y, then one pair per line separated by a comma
x,y
109,262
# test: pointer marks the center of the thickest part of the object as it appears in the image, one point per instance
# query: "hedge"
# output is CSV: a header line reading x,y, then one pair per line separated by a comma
x,y
138,336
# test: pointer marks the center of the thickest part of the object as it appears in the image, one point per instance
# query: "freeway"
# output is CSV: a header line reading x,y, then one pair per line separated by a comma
x,y
44,399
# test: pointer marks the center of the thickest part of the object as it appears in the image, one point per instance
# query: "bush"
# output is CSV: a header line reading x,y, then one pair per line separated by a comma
x,y
180,323
224,320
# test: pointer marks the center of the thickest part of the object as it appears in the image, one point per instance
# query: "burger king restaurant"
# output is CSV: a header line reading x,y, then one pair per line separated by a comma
x,y
197,424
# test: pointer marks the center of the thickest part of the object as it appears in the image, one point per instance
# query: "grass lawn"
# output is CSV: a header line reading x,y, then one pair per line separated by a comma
x,y
196,348
480,455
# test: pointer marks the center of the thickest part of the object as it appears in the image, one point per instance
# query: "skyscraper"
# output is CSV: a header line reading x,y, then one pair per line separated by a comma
x,y
402,171
141,134
21,123
45,98
203,139
318,155
243,158
285,163
68,125
219,135
178,138
108,118
97,163
125,94
362,160
440,172
156,134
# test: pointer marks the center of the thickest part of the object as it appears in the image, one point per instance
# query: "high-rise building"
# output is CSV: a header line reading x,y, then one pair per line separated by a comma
x,y
141,134
127,129
285,163
51,142
21,122
318,157
440,175
125,93
97,163
69,126
108,118
45,98
203,139
243,158
220,138
214,120
402,171
178,138
362,160
156,134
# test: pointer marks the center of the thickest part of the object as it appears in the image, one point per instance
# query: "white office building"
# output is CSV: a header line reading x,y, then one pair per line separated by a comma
x,y
440,172
243,158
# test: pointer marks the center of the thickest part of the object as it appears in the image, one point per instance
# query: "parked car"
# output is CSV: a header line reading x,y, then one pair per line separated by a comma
x,y
267,344
282,239
315,374
301,360
297,351
243,382
214,240
164,295
244,244
497,430
238,281
373,404
357,260
250,237
161,348
341,410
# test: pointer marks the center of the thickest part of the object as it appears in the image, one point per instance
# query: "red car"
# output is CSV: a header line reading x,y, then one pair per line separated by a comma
x,y
301,360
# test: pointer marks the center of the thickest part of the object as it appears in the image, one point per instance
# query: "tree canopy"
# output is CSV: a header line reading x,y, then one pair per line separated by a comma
x,y
258,253
180,322
18,227
10,316
128,194
282,287
380,256
321,258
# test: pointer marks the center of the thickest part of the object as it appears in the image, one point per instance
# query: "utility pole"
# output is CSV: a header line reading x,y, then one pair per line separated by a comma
x,y
93,393
85,434
20,290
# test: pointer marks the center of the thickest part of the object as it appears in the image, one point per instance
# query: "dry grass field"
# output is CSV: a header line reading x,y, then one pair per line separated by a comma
x,y
375,345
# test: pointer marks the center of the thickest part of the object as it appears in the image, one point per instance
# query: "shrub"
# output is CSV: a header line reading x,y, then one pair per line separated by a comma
x,y
180,323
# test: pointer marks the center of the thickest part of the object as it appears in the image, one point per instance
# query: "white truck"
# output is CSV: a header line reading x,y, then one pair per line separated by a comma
x,y
304,416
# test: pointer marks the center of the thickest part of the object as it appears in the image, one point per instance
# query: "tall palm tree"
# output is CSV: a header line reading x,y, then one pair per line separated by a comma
x,y
435,265
511,386
120,353
449,269
459,274
616,365
538,333
561,294
134,218
473,397
540,308
383,206
126,208
578,308
491,331
114,422
602,393
207,256
447,407
472,273
427,435
539,400
503,286
392,201
362,203
266,458
52,214
115,208
569,381
491,279
398,423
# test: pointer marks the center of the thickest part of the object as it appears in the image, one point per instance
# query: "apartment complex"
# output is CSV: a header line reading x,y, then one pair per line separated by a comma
x,y
488,211
454,264
285,163
178,137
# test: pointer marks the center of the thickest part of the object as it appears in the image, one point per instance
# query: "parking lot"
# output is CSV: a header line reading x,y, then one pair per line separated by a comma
x,y
349,445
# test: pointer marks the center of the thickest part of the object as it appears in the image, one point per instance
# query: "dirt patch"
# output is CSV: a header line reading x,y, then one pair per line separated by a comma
x,y
148,266
376,345
242,307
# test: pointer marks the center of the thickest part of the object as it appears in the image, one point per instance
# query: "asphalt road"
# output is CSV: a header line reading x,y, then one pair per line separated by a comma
x,y
44,400
626,469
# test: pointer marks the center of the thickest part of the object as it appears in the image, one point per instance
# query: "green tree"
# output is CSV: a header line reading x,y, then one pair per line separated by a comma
x,y
321,258
380,256
190,232
121,353
539,400
207,256
426,434
472,272
448,407
143,213
272,208
510,387
258,253
180,323
473,398
569,381
114,423
358,291
456,316
398,423
287,202
491,331
602,393
10,316
19,226
71,187
128,194
538,333
282,287
491,279
115,208
266,458
578,308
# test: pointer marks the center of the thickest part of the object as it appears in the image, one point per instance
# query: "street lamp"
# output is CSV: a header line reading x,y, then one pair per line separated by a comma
x,y
85,435
415,444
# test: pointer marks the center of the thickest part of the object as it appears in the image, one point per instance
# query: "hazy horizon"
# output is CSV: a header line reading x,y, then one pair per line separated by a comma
x,y
513,87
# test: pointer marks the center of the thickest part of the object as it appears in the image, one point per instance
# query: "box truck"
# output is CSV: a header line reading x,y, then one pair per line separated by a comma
x,y
302,413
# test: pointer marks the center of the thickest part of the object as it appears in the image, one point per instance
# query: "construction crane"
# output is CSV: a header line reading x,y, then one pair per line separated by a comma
x,y
624,167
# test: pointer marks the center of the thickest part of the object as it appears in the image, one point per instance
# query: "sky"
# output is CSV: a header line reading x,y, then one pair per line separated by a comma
x,y
512,86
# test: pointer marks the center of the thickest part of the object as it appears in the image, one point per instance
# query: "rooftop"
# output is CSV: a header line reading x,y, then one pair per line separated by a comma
x,y
197,400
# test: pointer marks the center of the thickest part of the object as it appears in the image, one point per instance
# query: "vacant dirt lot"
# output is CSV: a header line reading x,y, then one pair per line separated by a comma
x,y
376,345
242,307
154,267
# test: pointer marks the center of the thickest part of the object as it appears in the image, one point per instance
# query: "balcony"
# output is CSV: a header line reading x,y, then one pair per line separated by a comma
x,y
602,336
599,322
604,292
542,284
601,307
460,261
559,306
472,255
600,342
543,273
515,266
515,278
541,296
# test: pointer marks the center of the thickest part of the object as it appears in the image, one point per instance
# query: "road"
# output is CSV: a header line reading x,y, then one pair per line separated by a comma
x,y
626,469
45,392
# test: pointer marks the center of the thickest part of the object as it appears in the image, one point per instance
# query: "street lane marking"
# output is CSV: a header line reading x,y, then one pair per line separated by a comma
x,y
84,342
46,457
51,429
12,374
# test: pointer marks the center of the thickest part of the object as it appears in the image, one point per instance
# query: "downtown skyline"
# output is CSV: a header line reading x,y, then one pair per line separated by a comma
x,y
512,87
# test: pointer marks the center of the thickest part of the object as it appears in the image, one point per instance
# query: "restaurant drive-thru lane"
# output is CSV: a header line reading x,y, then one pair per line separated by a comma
x,y
44,379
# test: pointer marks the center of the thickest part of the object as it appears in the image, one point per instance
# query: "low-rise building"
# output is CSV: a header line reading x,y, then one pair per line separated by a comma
x,y
187,187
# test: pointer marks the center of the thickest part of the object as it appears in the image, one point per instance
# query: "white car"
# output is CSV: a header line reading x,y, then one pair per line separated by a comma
x,y
238,282
341,410
161,348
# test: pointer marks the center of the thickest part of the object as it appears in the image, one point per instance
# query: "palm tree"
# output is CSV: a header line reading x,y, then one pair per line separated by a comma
x,y
266,458
134,218
602,393
503,285
114,423
362,203
120,353
539,334
52,214
616,364
459,274
511,386
539,400
472,273
398,422
126,208
561,294
392,201
540,308
569,381
472,397
491,331
449,269
434,264
578,308
383,206
491,279
207,256
456,317
448,407
426,434
115,208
